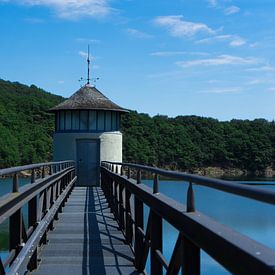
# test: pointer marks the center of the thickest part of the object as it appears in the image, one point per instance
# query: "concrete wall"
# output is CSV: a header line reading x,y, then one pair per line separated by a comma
x,y
64,145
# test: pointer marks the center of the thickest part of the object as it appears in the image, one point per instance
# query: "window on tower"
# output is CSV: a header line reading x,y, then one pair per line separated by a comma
x,y
87,121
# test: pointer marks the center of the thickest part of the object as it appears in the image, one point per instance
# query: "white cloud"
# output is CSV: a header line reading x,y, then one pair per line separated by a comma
x,y
219,60
214,38
266,68
271,89
232,10
174,53
234,40
222,90
71,9
238,41
178,27
138,34
60,82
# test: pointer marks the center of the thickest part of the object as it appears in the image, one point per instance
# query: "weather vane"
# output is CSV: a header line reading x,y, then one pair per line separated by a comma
x,y
89,79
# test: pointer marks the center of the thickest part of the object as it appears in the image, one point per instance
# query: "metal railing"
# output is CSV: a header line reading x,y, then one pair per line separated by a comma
x,y
45,196
127,197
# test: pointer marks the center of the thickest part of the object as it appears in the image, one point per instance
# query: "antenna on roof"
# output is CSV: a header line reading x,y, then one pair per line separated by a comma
x,y
88,61
89,79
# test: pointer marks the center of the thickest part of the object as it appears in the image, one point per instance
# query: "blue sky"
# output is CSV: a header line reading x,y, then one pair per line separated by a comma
x,y
213,58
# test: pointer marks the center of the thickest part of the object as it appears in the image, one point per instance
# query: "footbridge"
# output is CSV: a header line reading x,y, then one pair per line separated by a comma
x,y
58,227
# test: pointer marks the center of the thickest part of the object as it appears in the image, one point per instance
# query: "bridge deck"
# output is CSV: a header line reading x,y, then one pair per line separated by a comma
x,y
86,239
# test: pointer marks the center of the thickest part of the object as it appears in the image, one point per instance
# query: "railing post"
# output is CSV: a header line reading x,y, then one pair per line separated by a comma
x,y
156,243
138,177
128,173
121,206
15,184
15,225
116,202
156,184
43,171
33,176
128,218
190,199
139,223
50,169
32,218
191,252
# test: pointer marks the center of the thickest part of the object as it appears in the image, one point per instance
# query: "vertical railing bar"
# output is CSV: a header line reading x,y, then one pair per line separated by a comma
x,y
15,228
128,173
138,176
156,184
190,252
15,183
33,176
190,198
139,223
43,171
156,243
128,218
121,208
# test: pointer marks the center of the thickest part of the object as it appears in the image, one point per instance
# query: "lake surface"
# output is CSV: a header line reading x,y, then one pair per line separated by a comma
x,y
254,219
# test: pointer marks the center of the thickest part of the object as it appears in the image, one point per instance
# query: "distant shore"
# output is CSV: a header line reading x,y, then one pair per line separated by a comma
x,y
219,172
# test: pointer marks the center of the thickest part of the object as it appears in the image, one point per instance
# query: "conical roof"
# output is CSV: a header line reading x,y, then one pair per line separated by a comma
x,y
88,98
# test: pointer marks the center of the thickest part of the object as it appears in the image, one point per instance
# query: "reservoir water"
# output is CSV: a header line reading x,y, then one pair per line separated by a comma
x,y
254,219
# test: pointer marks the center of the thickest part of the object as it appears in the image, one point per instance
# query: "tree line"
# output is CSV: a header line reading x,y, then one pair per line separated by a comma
x,y
183,142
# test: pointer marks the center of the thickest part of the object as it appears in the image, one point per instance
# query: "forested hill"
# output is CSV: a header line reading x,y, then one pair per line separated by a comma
x,y
190,142
184,142
25,126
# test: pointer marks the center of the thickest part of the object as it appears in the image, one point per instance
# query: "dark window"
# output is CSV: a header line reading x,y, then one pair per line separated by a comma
x,y
92,120
68,121
108,121
75,120
62,121
57,121
84,120
114,126
118,121
100,121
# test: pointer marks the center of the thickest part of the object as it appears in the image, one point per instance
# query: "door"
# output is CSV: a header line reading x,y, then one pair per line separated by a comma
x,y
87,162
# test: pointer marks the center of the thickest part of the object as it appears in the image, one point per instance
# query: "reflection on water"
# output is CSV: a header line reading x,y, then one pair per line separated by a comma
x,y
254,219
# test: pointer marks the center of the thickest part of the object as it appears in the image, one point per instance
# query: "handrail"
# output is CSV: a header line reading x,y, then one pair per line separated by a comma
x,y
267,196
44,196
17,169
127,196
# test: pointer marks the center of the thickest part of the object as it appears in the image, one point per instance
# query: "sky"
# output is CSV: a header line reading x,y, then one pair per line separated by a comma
x,y
211,58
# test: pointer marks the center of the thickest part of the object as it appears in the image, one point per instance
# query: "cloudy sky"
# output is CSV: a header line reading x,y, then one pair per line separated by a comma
x,y
213,58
